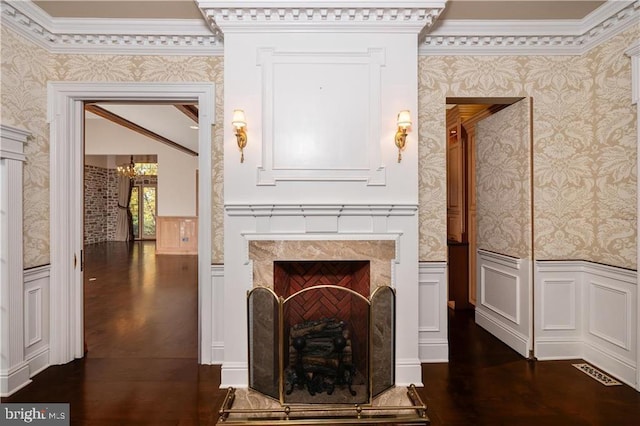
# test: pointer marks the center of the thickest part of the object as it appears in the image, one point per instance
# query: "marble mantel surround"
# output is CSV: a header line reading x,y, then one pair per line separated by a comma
x,y
380,254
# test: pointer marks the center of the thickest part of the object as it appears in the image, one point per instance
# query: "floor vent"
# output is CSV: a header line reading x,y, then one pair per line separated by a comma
x,y
597,374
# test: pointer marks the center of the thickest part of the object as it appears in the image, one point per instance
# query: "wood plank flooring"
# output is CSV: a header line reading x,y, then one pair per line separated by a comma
x,y
141,366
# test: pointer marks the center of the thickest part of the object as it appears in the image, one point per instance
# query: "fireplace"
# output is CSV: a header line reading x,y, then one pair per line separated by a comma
x,y
321,331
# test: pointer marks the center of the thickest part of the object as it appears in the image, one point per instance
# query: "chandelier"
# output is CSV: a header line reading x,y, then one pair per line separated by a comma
x,y
128,170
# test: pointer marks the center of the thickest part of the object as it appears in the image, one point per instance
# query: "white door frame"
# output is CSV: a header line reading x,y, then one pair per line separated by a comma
x,y
66,118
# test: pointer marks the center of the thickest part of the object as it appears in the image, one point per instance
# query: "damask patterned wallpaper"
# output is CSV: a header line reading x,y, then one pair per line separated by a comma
x,y
25,72
584,146
503,176
23,102
584,138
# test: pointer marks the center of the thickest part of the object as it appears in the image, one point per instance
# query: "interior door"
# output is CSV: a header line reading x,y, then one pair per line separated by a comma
x,y
504,225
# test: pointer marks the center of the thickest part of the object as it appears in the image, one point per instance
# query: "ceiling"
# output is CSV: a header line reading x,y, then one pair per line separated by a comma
x,y
454,10
164,123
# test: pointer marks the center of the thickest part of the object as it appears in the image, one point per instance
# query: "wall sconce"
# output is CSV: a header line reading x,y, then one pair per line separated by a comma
x,y
240,122
404,121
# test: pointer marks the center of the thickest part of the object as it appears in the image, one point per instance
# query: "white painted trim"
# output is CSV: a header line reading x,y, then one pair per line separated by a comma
x,y
215,318
433,343
619,367
38,361
626,294
14,379
66,118
14,373
257,210
516,280
235,374
195,37
13,141
371,64
607,347
511,337
406,370
508,319
558,348
37,353
115,36
634,53
566,37
321,16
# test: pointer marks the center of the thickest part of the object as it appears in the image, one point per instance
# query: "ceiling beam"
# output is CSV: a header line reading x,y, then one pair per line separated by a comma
x,y
108,115
190,111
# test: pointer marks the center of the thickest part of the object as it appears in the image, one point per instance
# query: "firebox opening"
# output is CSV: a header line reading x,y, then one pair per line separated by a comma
x,y
326,330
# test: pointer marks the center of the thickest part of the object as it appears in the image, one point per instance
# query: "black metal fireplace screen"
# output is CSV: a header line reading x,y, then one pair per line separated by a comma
x,y
342,354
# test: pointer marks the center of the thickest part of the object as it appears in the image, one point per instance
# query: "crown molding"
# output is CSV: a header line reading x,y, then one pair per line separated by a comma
x,y
539,37
321,16
116,36
197,37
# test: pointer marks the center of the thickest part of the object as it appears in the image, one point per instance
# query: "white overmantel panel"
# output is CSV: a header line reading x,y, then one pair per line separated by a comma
x,y
321,115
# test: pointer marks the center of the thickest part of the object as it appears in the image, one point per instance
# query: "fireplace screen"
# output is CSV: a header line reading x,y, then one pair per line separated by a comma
x,y
321,343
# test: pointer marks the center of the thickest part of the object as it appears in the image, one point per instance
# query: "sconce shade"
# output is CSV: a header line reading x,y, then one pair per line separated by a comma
x,y
404,119
239,120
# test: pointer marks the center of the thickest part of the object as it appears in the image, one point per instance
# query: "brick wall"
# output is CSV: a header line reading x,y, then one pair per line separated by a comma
x,y
100,204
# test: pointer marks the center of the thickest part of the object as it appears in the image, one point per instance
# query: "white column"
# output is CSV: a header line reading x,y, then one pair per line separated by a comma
x,y
634,53
14,371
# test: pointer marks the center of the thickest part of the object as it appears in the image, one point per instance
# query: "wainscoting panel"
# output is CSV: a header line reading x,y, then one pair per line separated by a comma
x,y
36,318
558,310
432,315
554,315
216,318
504,294
589,311
611,320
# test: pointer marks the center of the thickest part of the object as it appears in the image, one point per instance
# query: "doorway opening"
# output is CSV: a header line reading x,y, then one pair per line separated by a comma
x,y
66,112
126,279
489,214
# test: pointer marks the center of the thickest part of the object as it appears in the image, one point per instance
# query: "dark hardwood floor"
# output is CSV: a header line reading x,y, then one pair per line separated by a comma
x,y
141,366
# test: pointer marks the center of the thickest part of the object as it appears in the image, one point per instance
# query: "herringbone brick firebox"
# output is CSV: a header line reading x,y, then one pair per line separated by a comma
x,y
291,277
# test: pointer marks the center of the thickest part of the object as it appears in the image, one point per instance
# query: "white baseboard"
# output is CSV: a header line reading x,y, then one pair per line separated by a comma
x,y
407,370
38,362
551,349
513,339
15,379
432,350
605,360
234,374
